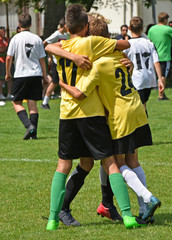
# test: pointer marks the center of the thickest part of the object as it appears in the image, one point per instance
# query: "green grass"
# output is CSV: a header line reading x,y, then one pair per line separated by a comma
x,y
27,168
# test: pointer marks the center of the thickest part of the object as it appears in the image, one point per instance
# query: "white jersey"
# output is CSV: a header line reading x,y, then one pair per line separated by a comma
x,y
143,54
27,48
56,37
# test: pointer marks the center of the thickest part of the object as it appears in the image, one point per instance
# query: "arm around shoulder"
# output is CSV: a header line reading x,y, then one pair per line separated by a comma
x,y
122,45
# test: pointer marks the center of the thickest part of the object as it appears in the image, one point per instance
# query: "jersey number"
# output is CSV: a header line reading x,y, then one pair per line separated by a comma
x,y
145,55
125,82
66,63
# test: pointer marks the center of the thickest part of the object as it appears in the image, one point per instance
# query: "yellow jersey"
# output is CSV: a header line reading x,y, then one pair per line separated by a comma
x,y
94,47
122,101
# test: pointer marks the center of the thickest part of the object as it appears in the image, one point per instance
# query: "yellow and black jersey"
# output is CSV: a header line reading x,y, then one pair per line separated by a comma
x,y
94,47
122,101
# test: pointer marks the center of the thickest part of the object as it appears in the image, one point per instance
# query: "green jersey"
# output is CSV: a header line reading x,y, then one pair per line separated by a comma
x,y
161,36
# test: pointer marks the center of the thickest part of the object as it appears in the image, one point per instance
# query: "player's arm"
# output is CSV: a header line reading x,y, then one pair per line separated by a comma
x,y
122,45
9,60
159,74
81,61
44,72
72,90
128,63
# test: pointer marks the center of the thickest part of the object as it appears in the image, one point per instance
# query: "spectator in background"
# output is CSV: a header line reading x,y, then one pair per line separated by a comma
x,y
123,35
57,36
3,50
29,56
161,36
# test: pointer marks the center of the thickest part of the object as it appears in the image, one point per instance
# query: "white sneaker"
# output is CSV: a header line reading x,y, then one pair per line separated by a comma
x,y
2,103
10,96
2,96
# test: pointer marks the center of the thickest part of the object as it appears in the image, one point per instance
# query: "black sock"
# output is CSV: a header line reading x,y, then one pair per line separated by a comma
x,y
107,194
24,118
74,184
34,119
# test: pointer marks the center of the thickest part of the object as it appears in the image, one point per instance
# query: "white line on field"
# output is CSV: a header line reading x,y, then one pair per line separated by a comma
x,y
48,160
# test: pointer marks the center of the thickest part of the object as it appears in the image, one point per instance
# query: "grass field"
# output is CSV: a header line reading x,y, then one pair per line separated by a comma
x,y
27,168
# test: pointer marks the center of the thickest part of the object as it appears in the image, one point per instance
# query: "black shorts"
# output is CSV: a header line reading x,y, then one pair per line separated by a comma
x,y
139,138
27,88
54,73
165,68
84,137
144,94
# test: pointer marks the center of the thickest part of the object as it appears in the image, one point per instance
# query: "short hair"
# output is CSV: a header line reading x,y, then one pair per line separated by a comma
x,y
76,18
136,24
98,27
124,25
2,27
92,15
162,16
62,22
25,20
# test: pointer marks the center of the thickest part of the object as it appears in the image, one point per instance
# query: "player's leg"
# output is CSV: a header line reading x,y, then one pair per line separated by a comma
x,y
132,172
34,115
73,185
107,208
120,191
58,192
165,67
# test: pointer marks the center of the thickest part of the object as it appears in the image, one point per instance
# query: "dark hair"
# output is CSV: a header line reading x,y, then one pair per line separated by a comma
x,y
25,20
2,27
62,22
136,24
76,18
124,26
148,27
98,27
162,16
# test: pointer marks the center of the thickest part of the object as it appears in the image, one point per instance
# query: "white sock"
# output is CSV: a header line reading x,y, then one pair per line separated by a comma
x,y
134,183
46,100
141,175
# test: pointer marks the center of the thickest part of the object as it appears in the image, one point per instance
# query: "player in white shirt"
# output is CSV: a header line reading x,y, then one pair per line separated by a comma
x,y
29,56
145,58
57,36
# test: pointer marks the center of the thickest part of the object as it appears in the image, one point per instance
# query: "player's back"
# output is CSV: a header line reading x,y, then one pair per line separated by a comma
x,y
126,112
143,55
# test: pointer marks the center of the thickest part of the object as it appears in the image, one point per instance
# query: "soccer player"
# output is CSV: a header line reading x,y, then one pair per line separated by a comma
x,y
57,36
126,117
144,56
161,36
29,56
83,131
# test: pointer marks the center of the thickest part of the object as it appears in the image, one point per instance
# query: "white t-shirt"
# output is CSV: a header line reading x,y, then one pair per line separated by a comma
x,y
143,54
56,37
27,48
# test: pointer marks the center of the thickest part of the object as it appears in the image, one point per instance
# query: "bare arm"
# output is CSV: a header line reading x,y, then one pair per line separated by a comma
x,y
72,90
128,63
81,61
122,45
9,60
43,66
159,74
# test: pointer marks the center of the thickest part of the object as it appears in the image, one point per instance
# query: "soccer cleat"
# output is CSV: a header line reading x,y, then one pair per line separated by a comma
x,y
149,221
66,217
52,225
151,207
2,103
45,106
2,96
10,96
133,222
30,132
110,213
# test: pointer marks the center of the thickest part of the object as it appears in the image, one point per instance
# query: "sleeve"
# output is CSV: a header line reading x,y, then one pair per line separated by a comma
x,y
89,81
101,46
53,38
42,53
154,54
10,50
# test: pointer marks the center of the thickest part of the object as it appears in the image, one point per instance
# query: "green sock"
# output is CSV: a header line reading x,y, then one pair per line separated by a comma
x,y
120,192
57,195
